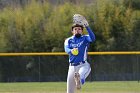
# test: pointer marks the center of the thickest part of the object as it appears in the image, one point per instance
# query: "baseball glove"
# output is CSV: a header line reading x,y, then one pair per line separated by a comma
x,y
79,19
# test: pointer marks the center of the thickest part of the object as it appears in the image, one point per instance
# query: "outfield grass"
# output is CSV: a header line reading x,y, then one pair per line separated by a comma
x,y
60,87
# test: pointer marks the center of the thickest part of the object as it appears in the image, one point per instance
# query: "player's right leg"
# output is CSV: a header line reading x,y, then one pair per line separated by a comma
x,y
70,80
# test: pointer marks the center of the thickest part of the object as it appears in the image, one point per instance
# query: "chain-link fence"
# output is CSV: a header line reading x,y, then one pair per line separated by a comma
x,y
54,68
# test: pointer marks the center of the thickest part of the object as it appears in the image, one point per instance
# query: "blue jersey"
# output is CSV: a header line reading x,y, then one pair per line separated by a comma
x,y
81,43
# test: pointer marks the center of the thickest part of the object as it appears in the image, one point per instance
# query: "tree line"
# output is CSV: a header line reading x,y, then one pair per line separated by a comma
x,y
39,27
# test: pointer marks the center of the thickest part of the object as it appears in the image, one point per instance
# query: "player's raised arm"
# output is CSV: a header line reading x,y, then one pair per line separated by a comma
x,y
91,37
79,19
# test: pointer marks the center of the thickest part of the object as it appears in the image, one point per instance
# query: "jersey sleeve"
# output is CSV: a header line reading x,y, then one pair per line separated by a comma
x,y
66,46
91,35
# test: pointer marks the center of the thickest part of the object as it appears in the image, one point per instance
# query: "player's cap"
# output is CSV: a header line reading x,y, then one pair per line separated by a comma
x,y
76,25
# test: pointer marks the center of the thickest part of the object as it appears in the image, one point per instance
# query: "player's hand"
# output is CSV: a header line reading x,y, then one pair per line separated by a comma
x,y
75,51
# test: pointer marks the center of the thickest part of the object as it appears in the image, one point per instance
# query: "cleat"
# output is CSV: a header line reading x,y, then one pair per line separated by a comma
x,y
77,80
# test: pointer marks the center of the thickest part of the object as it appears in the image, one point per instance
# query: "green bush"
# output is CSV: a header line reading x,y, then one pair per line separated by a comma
x,y
38,27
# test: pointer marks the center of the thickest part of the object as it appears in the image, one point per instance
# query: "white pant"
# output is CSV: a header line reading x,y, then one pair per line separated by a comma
x,y
82,69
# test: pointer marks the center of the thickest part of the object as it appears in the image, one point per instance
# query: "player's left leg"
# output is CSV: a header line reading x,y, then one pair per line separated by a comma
x,y
84,71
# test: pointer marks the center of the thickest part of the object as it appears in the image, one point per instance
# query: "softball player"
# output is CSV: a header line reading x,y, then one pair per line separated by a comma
x,y
77,47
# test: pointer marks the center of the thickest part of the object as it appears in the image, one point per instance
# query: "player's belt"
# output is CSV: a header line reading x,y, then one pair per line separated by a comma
x,y
76,64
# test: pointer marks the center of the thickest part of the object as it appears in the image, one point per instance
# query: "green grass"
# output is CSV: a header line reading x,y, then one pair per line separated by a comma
x,y
60,87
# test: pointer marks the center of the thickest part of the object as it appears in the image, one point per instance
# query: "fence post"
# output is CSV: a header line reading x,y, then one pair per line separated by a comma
x,y
138,72
39,73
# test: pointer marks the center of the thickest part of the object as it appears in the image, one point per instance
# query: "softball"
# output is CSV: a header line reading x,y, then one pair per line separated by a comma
x,y
75,51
